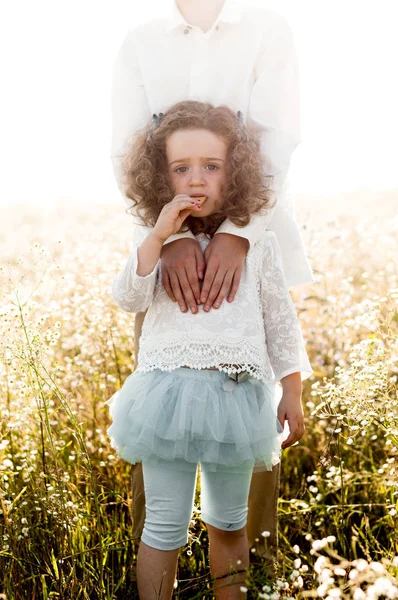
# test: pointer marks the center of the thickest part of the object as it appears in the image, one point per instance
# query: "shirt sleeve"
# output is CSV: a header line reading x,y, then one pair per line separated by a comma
x,y
274,108
179,236
131,292
129,105
274,111
285,343
253,232
145,229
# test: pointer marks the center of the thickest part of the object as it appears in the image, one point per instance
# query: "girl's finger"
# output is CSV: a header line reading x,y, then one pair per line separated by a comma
x,y
175,211
288,442
182,202
180,197
185,213
292,439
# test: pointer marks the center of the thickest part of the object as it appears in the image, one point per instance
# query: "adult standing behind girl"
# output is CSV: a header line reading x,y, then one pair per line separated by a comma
x,y
217,51
195,166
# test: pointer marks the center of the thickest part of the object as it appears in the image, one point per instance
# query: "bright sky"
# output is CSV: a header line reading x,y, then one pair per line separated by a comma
x,y
57,57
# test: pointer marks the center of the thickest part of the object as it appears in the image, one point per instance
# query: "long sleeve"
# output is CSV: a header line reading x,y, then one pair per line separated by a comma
x,y
130,112
274,110
129,103
253,232
275,102
285,343
131,292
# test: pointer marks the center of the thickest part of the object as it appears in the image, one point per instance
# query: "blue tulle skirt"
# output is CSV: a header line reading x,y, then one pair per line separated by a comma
x,y
191,416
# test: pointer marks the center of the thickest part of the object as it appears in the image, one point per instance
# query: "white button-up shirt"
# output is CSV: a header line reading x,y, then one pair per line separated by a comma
x,y
246,61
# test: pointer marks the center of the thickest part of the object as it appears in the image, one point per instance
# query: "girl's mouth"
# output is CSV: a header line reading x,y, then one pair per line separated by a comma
x,y
202,198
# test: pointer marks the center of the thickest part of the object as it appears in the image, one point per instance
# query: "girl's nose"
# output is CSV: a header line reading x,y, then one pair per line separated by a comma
x,y
196,177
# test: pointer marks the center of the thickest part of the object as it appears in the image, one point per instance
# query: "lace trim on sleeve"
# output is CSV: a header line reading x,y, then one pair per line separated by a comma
x,y
130,291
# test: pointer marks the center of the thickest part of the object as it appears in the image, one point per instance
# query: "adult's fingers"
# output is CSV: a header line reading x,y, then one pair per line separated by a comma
x,y
177,291
235,284
185,281
225,287
181,260
216,287
167,285
200,266
193,290
211,271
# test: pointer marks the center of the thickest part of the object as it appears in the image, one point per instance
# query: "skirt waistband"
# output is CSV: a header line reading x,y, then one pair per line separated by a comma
x,y
202,374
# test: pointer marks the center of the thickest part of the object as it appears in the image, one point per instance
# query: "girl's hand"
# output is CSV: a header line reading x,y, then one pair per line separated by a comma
x,y
291,409
173,215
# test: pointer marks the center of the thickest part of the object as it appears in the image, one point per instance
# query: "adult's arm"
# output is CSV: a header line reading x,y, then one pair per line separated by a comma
x,y
274,111
130,113
129,105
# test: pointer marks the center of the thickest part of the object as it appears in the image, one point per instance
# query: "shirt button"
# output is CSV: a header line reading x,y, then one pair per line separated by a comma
x,y
186,31
217,28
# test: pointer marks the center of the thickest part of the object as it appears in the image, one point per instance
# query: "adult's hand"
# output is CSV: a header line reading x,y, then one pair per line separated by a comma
x,y
183,265
225,259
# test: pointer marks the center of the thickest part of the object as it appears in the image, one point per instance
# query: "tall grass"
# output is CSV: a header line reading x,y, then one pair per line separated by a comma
x,y
65,500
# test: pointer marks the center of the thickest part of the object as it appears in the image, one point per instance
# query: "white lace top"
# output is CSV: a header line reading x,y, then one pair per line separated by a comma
x,y
258,332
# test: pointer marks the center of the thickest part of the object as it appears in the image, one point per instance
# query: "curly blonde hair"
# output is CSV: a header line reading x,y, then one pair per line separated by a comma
x,y
145,169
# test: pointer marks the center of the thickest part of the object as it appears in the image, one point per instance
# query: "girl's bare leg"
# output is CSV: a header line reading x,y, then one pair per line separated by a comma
x,y
263,512
156,572
227,548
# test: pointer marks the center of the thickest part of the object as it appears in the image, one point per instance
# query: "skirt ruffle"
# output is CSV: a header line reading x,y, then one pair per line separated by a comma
x,y
192,416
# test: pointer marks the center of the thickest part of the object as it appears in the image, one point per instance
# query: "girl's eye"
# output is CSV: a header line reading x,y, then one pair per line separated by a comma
x,y
182,170
212,167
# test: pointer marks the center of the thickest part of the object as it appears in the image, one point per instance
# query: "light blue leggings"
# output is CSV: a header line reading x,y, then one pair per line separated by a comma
x,y
170,494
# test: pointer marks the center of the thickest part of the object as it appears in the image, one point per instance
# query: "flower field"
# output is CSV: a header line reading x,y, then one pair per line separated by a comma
x,y
65,347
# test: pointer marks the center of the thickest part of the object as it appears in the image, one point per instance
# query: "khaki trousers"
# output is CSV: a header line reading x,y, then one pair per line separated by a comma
x,y
263,495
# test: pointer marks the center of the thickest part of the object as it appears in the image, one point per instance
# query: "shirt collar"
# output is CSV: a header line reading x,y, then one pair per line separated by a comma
x,y
231,12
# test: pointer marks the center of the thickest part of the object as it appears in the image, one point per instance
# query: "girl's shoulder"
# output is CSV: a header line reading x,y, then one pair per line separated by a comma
x,y
266,250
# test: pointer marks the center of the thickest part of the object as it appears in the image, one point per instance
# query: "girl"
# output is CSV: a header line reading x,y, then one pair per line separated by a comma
x,y
204,387
252,51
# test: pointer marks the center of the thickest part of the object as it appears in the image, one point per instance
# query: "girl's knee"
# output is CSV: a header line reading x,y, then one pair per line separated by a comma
x,y
226,534
227,519
166,525
165,536
169,496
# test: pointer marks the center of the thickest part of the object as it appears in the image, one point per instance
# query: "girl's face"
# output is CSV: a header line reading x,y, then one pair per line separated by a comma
x,y
197,166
